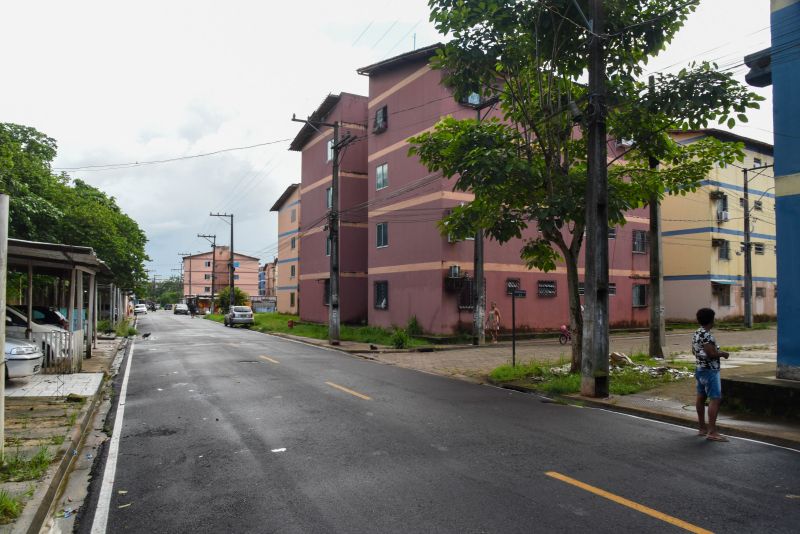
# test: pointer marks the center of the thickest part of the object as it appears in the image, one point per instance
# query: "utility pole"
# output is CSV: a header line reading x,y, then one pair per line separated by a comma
x,y
658,334
748,246
231,266
479,290
594,365
185,255
213,240
334,315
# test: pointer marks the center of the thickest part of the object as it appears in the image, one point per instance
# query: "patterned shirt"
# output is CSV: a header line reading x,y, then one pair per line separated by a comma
x,y
699,339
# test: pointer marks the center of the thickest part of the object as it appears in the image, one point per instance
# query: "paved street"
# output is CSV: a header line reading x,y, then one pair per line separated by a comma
x,y
234,431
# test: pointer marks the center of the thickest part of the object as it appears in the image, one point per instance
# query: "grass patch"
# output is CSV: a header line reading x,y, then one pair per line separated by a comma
x,y
18,468
506,373
58,440
10,506
279,323
735,348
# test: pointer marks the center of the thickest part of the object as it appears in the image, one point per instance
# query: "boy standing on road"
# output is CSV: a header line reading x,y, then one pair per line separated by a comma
x,y
707,354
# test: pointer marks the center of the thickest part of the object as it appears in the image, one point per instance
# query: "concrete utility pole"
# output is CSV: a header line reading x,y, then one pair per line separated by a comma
x,y
748,246
231,266
3,274
594,365
479,291
658,334
334,312
213,240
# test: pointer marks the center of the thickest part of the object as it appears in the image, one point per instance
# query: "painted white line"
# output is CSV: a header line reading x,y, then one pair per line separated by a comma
x,y
107,486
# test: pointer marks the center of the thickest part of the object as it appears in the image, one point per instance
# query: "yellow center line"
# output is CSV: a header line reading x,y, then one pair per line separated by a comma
x,y
350,391
630,504
269,359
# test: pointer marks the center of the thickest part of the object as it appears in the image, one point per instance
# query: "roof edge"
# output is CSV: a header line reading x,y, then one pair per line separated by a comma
x,y
727,135
406,57
284,197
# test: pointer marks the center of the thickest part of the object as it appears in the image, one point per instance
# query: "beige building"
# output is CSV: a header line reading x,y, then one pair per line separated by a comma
x,y
288,267
703,236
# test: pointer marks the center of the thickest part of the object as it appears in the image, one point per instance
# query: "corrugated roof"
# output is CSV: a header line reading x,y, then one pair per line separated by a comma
x,y
282,199
54,255
307,131
730,136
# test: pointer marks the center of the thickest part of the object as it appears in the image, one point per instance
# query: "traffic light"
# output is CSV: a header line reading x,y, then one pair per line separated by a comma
x,y
760,64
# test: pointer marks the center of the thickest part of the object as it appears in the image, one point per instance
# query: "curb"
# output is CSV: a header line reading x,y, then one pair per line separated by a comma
x,y
32,523
657,416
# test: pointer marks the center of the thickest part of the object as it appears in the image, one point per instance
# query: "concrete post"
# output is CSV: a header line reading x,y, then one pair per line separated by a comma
x,y
3,264
786,108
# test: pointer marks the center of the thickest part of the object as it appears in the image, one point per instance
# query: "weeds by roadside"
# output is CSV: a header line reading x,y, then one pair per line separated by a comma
x,y
10,506
17,467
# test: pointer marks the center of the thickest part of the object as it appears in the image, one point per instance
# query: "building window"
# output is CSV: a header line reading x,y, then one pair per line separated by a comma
x,y
382,234
381,176
293,243
724,249
466,297
291,299
758,248
546,288
381,120
294,215
236,265
328,246
612,233
639,296
722,206
206,264
206,277
756,162
382,295
723,293
235,276
329,150
758,205
292,271
581,289
206,289
761,292
329,197
640,242
326,293
612,289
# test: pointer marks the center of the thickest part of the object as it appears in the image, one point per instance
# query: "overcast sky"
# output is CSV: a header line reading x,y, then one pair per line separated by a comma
x,y
119,82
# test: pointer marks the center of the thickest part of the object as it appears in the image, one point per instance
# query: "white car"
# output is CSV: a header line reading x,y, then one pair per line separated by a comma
x,y
239,315
22,359
140,308
52,339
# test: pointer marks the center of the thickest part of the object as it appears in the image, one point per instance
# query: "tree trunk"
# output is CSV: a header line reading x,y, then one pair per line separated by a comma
x,y
575,312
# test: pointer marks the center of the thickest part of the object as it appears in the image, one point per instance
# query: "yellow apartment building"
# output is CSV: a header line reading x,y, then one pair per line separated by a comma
x,y
703,236
288,266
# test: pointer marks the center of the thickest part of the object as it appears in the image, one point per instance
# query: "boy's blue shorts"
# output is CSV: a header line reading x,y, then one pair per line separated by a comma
x,y
708,383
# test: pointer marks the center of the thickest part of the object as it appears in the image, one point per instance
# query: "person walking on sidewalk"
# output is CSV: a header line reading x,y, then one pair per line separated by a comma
x,y
707,355
493,320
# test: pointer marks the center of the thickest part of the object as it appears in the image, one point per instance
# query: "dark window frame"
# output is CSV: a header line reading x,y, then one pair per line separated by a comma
x,y
381,294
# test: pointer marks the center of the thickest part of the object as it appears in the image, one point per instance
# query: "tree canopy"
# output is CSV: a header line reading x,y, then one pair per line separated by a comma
x,y
45,206
530,168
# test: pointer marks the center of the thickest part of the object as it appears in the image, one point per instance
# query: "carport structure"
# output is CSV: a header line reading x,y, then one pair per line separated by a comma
x,y
66,350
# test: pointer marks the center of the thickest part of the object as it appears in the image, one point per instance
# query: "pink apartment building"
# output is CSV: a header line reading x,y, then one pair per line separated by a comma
x,y
316,145
395,262
288,269
208,272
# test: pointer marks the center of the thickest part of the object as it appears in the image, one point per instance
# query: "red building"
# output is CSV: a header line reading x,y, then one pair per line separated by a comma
x,y
412,270
316,145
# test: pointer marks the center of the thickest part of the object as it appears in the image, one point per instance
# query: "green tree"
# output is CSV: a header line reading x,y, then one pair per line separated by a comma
x,y
530,168
223,298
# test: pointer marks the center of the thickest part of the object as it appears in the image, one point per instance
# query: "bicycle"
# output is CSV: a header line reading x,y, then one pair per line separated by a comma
x,y
565,335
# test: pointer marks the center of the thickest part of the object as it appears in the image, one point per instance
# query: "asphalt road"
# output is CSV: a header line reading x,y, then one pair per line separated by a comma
x,y
228,430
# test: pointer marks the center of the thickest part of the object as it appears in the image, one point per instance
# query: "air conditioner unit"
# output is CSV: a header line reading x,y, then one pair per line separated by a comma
x,y
723,216
455,271
624,142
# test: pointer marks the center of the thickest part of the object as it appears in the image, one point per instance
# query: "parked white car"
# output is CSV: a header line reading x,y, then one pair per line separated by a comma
x,y
54,340
22,359
239,315
140,308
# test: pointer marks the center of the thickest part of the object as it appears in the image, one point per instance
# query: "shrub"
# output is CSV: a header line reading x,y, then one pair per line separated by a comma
x,y
413,328
400,338
104,326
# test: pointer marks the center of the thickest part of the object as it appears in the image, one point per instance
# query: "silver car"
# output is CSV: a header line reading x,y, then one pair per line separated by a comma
x,y
22,359
239,315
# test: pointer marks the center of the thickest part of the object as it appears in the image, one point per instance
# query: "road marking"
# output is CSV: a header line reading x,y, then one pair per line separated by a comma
x,y
269,359
104,500
350,391
630,504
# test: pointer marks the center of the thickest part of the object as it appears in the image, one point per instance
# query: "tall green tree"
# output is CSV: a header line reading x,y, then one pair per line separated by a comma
x,y
49,207
529,169
224,298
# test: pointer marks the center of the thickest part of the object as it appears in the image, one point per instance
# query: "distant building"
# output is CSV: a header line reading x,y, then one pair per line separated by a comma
x,y
208,273
316,146
287,267
703,236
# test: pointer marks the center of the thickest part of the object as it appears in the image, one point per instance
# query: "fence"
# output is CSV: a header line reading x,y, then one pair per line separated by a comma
x,y
63,351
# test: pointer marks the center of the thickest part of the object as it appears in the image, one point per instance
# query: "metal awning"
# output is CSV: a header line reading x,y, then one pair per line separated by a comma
x,y
54,256
724,282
